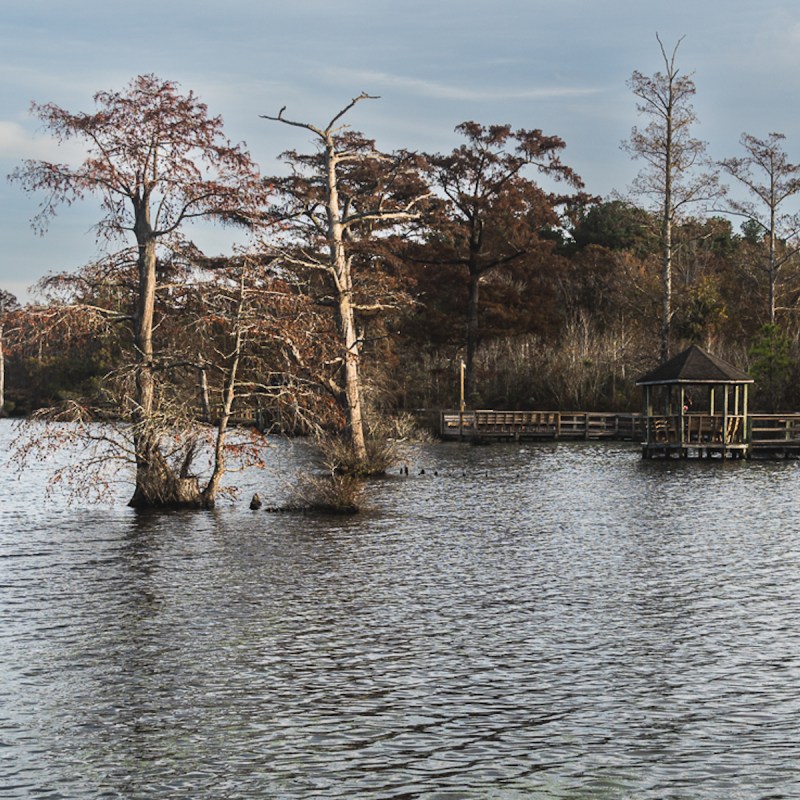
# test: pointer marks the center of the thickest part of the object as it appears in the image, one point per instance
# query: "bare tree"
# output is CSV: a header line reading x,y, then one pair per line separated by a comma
x,y
252,327
329,214
771,180
677,172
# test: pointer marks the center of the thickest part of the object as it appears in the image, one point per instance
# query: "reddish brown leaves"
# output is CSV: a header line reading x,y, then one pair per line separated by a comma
x,y
148,147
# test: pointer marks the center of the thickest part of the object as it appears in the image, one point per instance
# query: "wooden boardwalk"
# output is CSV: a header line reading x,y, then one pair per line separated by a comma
x,y
703,435
540,425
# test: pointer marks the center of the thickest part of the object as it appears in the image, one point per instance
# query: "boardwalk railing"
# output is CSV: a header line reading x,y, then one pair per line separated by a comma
x,y
775,431
755,433
539,425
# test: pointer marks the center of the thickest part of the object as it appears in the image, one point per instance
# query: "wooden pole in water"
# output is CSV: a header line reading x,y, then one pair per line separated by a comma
x,y
461,405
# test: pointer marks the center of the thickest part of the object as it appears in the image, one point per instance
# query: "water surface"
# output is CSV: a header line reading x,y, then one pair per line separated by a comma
x,y
535,621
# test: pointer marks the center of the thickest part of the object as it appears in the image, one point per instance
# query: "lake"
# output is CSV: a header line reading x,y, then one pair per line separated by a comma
x,y
518,621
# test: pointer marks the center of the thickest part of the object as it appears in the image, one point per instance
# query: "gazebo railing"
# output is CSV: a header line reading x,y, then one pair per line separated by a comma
x,y
723,429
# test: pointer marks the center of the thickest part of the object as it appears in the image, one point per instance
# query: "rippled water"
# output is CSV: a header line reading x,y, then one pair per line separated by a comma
x,y
552,621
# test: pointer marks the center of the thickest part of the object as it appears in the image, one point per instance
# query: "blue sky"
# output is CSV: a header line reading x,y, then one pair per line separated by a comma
x,y
560,65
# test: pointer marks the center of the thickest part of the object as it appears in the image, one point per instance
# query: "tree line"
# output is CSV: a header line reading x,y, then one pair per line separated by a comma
x,y
368,277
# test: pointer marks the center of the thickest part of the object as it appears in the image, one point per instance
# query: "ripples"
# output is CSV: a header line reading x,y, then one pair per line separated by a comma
x,y
516,622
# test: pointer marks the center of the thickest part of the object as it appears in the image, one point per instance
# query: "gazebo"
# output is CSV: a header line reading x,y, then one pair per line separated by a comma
x,y
695,403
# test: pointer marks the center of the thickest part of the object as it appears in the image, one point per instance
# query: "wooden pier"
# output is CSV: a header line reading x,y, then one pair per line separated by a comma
x,y
669,436
695,404
539,425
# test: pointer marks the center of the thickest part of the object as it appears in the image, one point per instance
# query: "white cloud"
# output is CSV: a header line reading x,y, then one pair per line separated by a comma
x,y
18,143
783,41
14,140
373,80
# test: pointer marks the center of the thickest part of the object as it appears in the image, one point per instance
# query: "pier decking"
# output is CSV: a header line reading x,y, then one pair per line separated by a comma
x,y
679,435
539,425
695,404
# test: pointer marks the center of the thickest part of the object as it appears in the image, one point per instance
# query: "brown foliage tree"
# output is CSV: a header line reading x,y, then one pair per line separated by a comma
x,y
8,303
494,216
157,160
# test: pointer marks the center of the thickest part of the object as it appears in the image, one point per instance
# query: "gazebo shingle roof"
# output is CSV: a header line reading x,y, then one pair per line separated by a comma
x,y
694,365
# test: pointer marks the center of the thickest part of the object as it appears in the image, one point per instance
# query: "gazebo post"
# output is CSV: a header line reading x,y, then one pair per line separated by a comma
x,y
748,431
725,394
682,422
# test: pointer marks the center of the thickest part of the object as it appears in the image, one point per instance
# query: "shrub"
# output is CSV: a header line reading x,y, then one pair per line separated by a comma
x,y
338,458
329,494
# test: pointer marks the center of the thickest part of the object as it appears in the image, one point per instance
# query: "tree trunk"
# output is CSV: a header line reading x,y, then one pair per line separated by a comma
x,y
352,380
666,276
773,277
343,284
205,404
157,484
228,396
143,333
2,374
473,301
666,288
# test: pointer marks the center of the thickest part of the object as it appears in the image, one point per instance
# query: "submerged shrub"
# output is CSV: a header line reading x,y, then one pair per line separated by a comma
x,y
338,457
330,494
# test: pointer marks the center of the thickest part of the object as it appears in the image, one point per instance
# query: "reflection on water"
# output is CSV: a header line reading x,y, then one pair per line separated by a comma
x,y
517,622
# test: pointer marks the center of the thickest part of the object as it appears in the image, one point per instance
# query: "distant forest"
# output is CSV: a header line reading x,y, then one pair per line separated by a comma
x,y
371,276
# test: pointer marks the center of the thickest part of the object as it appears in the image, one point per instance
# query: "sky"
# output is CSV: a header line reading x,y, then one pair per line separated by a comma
x,y
561,66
